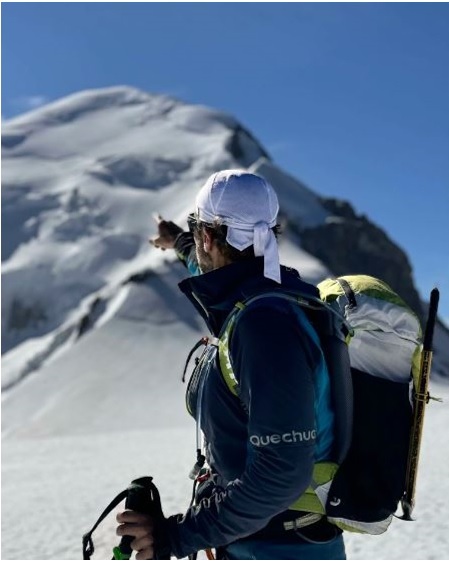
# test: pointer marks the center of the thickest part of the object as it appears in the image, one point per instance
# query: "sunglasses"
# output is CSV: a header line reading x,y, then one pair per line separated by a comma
x,y
192,222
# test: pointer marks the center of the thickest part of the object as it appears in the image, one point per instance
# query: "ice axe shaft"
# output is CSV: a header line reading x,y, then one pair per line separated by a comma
x,y
420,400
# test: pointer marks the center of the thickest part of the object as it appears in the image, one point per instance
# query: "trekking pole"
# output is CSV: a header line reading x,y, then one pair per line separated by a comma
x,y
421,398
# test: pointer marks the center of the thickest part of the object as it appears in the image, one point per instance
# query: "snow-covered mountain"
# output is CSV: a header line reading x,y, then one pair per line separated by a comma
x,y
81,178
94,329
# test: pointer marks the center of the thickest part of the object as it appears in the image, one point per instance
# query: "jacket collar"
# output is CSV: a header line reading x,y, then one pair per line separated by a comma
x,y
214,294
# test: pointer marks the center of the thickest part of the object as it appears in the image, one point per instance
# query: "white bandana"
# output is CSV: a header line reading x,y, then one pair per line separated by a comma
x,y
247,204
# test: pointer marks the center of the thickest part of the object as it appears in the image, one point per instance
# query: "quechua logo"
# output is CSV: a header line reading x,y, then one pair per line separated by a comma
x,y
286,438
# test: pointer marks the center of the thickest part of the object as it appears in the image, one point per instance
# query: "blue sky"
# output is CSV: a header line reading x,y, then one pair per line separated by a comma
x,y
352,98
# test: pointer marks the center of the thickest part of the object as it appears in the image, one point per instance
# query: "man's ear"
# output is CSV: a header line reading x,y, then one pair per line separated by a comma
x,y
207,241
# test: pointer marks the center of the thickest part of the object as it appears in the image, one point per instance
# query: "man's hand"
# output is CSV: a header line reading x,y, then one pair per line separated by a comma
x,y
140,527
167,233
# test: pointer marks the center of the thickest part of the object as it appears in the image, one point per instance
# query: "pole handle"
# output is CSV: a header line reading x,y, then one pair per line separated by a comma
x,y
431,320
139,498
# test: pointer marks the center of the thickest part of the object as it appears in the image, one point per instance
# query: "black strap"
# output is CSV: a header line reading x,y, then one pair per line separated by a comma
x,y
88,544
202,341
349,293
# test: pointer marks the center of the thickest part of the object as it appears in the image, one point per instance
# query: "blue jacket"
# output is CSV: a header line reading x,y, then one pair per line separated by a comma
x,y
262,444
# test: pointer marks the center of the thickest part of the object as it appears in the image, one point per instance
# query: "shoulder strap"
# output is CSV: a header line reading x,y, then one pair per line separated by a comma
x,y
227,330
304,301
225,337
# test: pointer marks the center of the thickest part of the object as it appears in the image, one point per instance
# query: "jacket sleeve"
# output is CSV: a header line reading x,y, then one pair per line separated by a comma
x,y
186,252
274,365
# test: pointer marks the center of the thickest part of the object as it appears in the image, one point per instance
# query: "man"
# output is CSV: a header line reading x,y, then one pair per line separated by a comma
x,y
263,441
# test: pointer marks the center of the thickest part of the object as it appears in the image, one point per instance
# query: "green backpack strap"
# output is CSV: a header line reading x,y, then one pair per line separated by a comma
x,y
224,356
226,332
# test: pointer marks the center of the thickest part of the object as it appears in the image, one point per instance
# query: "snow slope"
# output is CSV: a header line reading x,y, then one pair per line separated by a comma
x,y
95,332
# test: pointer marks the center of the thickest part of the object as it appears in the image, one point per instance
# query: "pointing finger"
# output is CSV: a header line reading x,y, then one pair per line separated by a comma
x,y
157,217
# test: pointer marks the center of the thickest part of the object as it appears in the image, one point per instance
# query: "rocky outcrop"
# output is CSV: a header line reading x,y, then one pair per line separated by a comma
x,y
350,244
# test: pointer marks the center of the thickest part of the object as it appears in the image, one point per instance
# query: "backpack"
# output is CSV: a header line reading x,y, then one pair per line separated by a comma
x,y
371,343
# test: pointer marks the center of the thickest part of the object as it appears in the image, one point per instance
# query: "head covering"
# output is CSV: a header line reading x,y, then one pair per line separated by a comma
x,y
247,204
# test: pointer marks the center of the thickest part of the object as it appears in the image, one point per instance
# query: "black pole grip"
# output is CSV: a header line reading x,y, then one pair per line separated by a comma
x,y
139,498
430,326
